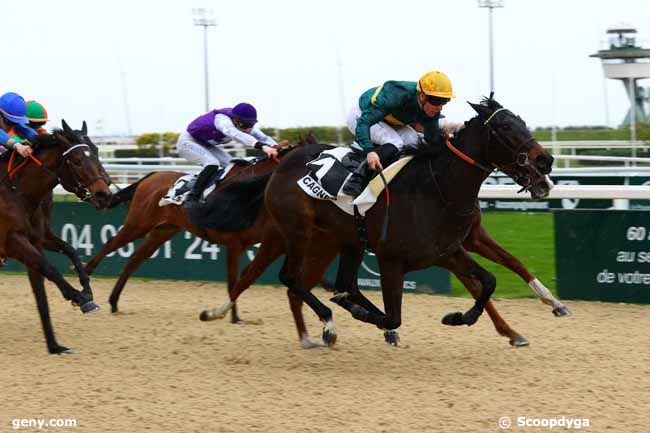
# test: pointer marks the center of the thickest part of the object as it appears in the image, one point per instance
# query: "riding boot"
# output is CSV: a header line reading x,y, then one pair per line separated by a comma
x,y
361,176
358,181
194,196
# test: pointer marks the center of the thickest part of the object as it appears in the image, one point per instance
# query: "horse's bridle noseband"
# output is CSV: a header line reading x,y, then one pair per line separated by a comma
x,y
80,189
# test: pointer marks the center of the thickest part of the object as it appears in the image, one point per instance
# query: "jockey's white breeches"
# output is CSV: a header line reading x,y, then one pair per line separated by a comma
x,y
382,132
194,151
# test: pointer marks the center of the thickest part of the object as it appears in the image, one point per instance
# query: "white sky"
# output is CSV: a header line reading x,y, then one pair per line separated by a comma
x,y
76,57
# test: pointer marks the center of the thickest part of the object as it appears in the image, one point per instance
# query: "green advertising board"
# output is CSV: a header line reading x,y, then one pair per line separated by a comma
x,y
603,255
185,256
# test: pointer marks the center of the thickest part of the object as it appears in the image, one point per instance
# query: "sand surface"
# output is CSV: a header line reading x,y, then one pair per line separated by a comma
x,y
156,367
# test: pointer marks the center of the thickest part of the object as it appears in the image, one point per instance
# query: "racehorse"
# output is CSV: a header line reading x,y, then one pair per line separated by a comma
x,y
433,207
58,158
43,217
158,224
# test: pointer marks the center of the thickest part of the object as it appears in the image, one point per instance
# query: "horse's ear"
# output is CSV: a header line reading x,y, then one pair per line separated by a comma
x,y
84,128
482,110
66,127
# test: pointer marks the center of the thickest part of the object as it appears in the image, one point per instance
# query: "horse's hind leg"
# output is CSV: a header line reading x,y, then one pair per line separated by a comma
x,y
36,280
233,257
151,243
479,241
312,275
500,324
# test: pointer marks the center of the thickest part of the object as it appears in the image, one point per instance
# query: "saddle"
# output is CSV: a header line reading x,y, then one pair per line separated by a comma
x,y
332,168
179,190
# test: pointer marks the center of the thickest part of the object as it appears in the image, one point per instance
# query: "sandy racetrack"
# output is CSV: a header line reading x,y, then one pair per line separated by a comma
x,y
155,367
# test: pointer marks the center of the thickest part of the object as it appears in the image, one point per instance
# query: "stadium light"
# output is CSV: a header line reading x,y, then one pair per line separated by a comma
x,y
491,4
204,17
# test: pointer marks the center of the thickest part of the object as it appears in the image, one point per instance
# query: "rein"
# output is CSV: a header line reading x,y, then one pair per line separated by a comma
x,y
11,170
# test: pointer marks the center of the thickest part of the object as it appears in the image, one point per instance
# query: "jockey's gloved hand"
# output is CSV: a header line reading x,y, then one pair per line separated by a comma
x,y
23,150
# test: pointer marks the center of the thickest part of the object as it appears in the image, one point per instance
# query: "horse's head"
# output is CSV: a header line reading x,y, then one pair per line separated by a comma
x,y
79,170
511,148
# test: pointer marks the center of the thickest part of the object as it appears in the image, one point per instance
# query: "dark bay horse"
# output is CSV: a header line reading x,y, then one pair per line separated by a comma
x,y
432,209
59,158
42,217
146,219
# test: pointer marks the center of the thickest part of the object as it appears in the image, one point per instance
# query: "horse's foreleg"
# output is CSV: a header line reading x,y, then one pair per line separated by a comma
x,y
21,249
270,249
128,233
36,280
348,294
461,264
500,324
151,243
56,244
479,241
392,283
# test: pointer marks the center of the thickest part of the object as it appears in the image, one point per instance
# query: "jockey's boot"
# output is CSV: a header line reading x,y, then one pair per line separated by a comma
x,y
193,198
388,153
358,180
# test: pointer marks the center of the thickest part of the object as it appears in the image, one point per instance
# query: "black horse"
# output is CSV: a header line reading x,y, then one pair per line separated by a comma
x,y
432,208
64,158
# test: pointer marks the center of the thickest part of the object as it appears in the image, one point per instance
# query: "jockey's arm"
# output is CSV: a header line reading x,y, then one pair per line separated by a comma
x,y
224,124
26,132
368,118
262,137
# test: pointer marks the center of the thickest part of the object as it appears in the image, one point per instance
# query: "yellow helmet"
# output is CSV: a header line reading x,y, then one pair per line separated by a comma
x,y
435,83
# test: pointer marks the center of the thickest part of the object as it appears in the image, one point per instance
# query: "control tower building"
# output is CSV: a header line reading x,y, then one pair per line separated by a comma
x,y
626,61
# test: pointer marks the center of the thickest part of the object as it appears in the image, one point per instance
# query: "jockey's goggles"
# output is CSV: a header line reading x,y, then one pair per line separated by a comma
x,y
435,100
245,124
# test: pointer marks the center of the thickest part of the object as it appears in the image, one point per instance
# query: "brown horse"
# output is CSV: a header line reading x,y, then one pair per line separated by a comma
x,y
434,209
58,158
146,219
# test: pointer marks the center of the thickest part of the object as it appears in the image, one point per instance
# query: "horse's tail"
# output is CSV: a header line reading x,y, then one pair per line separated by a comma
x,y
234,208
126,194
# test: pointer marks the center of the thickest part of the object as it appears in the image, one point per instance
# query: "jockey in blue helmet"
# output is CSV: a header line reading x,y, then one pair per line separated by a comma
x,y
201,141
13,124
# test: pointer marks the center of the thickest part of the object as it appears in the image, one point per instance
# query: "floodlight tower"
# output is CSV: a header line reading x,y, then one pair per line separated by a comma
x,y
204,18
491,4
628,62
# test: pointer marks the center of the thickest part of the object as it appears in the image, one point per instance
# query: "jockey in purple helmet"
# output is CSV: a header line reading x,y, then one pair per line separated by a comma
x,y
200,142
13,124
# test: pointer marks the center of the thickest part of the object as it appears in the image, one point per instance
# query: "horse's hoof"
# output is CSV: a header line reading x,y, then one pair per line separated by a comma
x,y
114,309
562,311
89,307
471,316
307,343
519,341
60,350
208,316
453,319
329,333
392,337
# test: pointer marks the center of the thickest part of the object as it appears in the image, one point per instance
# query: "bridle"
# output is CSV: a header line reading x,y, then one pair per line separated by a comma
x,y
77,187
520,157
